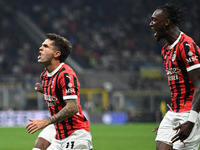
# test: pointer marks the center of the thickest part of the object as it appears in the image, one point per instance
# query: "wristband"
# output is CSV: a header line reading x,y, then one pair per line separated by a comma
x,y
193,116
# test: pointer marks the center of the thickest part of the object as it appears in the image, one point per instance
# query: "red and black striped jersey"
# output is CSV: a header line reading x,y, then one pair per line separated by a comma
x,y
180,58
60,85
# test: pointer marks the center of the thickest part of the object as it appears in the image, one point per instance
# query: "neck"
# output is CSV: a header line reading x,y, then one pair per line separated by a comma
x,y
172,35
50,68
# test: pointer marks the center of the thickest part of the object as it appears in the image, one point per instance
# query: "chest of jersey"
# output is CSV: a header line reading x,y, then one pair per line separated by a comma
x,y
49,88
171,65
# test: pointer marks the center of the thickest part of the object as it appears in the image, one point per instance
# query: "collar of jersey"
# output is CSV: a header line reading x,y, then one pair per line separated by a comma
x,y
56,70
177,40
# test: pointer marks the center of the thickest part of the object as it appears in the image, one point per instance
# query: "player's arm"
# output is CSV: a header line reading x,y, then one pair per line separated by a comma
x,y
71,107
186,128
195,78
68,111
156,129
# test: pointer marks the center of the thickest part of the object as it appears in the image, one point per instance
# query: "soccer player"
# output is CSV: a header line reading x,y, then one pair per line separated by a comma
x,y
179,129
61,93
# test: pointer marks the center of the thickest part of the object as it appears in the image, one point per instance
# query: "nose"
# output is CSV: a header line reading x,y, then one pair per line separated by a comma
x,y
40,48
151,23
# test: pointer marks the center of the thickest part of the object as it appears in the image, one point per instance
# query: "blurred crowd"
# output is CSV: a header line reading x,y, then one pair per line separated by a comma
x,y
106,35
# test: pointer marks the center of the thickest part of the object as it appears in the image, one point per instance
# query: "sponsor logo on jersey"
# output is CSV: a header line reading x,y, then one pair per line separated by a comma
x,y
172,73
70,90
173,77
68,76
50,98
191,58
69,85
187,44
189,53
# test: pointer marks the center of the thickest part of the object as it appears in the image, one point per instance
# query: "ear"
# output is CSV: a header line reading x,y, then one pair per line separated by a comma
x,y
167,22
57,54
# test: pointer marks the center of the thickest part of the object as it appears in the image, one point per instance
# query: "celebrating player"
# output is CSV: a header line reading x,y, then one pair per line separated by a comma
x,y
179,129
61,93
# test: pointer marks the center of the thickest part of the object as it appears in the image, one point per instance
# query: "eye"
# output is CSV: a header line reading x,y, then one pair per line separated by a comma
x,y
45,45
154,19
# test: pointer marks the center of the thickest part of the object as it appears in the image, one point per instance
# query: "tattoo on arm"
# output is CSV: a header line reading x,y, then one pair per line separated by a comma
x,y
68,111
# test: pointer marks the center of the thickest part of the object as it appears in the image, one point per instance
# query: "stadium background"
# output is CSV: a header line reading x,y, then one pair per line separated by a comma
x,y
114,54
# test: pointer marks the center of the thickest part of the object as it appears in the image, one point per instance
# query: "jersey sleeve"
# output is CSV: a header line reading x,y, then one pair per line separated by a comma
x,y
69,86
190,55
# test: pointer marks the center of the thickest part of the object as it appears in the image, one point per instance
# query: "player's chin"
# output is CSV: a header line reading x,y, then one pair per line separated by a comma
x,y
158,38
40,61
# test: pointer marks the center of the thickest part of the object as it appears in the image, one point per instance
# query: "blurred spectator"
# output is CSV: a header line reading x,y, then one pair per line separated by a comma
x,y
106,35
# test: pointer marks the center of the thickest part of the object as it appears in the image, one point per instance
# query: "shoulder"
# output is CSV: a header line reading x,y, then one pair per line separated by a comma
x,y
185,40
186,44
66,70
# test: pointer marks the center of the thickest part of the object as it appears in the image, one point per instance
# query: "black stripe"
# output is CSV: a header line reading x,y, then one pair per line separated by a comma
x,y
42,75
185,77
55,106
185,74
70,121
85,119
183,39
196,50
75,85
59,90
67,81
47,92
58,129
167,67
176,84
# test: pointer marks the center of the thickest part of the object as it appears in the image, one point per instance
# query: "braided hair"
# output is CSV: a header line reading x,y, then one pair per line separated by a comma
x,y
174,12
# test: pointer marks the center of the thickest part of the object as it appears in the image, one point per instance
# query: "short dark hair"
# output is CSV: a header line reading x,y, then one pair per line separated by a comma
x,y
174,12
64,46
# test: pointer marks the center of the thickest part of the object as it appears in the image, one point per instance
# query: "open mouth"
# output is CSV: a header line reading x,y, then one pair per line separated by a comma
x,y
153,29
155,32
39,55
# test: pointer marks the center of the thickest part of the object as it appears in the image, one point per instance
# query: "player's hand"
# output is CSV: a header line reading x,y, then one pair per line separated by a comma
x,y
184,131
156,129
35,125
38,87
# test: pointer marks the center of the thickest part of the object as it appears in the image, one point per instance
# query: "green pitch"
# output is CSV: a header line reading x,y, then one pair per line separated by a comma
x,y
136,136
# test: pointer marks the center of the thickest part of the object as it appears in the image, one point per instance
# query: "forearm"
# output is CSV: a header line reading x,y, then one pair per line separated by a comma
x,y
194,113
68,111
195,78
196,100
